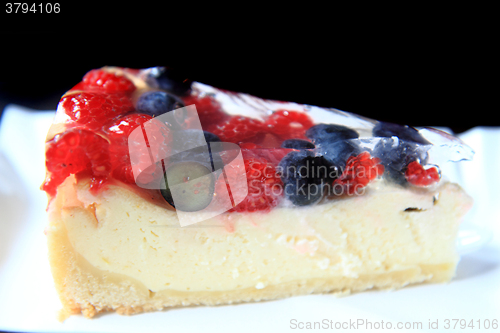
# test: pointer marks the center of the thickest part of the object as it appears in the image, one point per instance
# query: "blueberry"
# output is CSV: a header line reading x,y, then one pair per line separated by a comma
x,y
304,176
339,152
297,144
171,80
210,137
191,145
396,154
194,186
403,132
156,103
325,134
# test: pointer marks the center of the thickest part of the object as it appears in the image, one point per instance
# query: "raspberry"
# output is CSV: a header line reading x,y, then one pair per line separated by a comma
x,y
272,156
52,181
120,129
75,151
237,129
359,171
249,145
92,110
264,186
122,168
108,82
209,110
289,124
418,176
119,132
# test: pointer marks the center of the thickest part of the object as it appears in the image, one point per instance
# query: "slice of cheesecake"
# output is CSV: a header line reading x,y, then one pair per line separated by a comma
x,y
313,200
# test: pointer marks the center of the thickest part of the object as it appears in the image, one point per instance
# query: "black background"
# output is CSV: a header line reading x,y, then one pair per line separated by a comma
x,y
424,71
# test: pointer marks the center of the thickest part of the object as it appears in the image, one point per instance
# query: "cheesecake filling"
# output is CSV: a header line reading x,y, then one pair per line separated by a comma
x,y
388,229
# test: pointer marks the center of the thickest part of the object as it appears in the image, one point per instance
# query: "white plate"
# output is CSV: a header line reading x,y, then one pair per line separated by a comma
x,y
28,301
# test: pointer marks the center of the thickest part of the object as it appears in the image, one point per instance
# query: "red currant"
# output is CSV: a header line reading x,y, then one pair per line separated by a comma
x,y
418,176
359,171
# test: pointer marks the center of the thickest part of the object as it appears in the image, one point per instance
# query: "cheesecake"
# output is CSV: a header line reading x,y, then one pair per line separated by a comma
x,y
163,192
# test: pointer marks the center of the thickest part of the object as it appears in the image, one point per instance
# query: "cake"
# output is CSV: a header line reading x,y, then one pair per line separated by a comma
x,y
284,199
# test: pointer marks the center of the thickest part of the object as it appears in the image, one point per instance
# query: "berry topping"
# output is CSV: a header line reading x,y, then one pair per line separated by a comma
x,y
304,176
339,152
405,133
189,186
249,145
92,109
297,144
264,186
289,124
114,132
359,171
237,129
102,80
396,154
326,134
155,103
211,137
418,176
209,110
74,151
119,131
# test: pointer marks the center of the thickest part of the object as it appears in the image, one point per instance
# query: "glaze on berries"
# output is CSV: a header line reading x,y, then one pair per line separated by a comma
x,y
101,80
289,124
358,172
305,175
418,176
265,188
105,117
237,129
119,132
74,151
92,109
156,103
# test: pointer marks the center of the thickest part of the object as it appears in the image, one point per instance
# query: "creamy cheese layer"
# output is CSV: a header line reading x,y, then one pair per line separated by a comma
x,y
386,229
